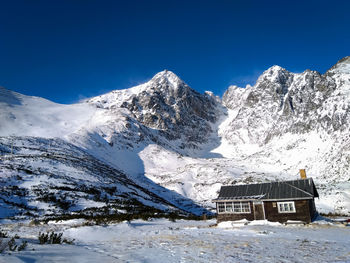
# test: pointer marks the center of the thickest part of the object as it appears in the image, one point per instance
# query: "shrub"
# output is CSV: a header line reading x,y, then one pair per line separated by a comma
x,y
50,238
43,238
53,238
23,246
3,234
11,245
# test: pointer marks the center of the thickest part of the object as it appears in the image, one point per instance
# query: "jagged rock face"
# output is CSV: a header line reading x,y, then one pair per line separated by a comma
x,y
289,121
342,67
282,102
234,96
169,106
158,131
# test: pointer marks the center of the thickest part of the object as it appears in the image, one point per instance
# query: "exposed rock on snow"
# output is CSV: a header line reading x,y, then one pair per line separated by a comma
x,y
169,106
181,146
51,176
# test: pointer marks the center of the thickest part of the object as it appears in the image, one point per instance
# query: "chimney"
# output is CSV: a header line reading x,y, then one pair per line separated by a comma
x,y
302,173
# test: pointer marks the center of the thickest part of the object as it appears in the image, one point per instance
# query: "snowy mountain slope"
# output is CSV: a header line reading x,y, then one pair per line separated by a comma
x,y
342,67
285,122
110,135
199,179
50,176
22,115
169,108
182,146
282,102
289,121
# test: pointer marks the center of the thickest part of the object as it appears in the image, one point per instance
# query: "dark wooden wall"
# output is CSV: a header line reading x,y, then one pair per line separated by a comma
x,y
305,211
301,207
312,208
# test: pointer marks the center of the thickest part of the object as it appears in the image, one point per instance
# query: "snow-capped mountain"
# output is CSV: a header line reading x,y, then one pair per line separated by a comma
x,y
45,176
167,107
289,121
178,146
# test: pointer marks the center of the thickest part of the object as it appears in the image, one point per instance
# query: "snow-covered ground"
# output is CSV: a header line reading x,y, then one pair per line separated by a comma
x,y
185,241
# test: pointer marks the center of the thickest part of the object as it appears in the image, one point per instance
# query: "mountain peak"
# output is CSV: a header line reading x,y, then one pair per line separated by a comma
x,y
341,67
274,74
167,77
274,70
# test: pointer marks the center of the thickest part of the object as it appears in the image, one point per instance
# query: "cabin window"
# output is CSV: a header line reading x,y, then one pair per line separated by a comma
x,y
221,207
234,207
286,207
229,207
237,207
245,207
241,207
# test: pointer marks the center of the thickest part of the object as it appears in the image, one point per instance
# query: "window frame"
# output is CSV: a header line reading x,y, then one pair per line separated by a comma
x,y
219,208
231,207
288,211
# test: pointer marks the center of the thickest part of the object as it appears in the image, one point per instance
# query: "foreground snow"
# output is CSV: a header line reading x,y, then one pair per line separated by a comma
x,y
185,241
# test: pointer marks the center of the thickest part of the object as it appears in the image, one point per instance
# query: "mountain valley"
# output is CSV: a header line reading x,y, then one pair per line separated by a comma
x,y
165,146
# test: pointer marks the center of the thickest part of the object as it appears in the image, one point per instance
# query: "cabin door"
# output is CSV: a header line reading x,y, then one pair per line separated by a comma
x,y
259,211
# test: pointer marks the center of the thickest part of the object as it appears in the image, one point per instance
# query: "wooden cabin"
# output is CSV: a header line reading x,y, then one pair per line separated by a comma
x,y
274,201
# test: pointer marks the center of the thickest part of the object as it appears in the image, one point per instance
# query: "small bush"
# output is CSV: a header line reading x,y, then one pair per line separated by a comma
x,y
11,245
50,238
53,238
23,246
43,238
56,238
3,234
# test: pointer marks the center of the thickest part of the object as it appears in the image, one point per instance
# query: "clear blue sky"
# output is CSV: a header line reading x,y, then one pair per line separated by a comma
x,y
67,50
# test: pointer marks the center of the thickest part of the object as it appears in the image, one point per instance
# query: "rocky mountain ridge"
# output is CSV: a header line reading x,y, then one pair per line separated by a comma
x,y
182,146
169,106
296,103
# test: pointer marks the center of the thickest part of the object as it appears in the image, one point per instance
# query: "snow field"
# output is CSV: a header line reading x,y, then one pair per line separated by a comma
x,y
186,241
22,115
